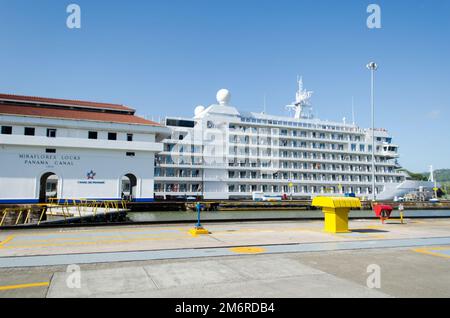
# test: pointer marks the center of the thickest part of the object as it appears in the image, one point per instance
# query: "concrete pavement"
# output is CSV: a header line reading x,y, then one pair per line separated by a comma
x,y
244,260
144,238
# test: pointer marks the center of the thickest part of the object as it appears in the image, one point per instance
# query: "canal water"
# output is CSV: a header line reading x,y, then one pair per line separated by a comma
x,y
262,215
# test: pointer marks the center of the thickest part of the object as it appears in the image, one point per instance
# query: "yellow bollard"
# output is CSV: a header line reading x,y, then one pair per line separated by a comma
x,y
336,210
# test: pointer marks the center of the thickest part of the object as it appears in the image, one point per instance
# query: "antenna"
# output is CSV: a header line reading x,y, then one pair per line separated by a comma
x,y
353,110
302,106
265,105
431,178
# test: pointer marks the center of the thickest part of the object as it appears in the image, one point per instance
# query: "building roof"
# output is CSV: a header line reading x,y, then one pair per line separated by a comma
x,y
63,102
69,109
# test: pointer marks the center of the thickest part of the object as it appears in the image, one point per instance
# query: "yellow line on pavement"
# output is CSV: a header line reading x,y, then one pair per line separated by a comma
x,y
71,235
97,230
248,250
104,242
100,238
8,239
22,286
429,251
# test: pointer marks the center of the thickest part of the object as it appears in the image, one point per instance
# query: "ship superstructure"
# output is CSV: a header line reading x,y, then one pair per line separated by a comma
x,y
224,153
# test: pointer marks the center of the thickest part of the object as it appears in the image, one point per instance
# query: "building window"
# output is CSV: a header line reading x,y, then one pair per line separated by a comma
x,y
93,135
29,131
112,136
48,150
6,130
129,137
131,154
51,133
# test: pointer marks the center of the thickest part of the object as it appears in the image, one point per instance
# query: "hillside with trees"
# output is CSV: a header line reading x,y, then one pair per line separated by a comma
x,y
442,175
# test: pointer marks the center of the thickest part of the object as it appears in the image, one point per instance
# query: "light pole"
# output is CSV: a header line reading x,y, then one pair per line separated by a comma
x,y
372,66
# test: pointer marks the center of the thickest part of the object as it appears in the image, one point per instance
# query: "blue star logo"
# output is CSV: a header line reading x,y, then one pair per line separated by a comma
x,y
91,175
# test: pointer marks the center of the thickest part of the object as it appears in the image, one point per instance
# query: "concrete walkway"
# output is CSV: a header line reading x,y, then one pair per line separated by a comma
x,y
66,241
275,259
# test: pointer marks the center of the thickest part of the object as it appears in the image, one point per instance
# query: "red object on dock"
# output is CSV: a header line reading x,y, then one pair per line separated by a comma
x,y
383,211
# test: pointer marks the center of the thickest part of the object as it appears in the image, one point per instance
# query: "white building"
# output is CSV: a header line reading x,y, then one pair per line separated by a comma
x,y
224,153
75,150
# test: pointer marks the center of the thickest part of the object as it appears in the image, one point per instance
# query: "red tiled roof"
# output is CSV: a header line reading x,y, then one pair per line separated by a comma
x,y
65,102
36,111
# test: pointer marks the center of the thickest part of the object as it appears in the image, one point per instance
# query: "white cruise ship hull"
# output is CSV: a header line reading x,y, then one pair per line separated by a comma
x,y
391,191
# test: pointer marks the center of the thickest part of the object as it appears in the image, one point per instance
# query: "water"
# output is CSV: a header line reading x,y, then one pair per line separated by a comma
x,y
261,215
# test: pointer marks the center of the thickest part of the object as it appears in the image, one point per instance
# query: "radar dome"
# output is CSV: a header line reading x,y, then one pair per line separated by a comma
x,y
198,110
223,97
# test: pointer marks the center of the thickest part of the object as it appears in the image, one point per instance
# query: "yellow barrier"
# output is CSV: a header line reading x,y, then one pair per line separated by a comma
x,y
336,210
5,213
62,205
18,213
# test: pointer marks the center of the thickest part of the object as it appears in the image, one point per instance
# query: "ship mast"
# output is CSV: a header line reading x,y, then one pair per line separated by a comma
x,y
431,178
302,106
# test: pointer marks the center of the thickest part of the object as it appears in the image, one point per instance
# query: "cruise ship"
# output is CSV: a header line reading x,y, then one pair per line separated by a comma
x,y
224,153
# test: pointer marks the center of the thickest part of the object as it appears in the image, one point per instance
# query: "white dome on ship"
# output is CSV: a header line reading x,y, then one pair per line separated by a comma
x,y
198,110
223,96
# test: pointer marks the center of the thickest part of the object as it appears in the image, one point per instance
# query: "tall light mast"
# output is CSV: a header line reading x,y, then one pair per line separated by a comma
x,y
372,66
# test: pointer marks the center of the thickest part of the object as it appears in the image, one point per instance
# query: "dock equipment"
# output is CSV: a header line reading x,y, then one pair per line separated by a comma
x,y
383,211
336,210
59,210
199,229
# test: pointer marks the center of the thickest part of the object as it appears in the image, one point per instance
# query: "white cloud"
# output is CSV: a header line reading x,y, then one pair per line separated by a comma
x,y
434,114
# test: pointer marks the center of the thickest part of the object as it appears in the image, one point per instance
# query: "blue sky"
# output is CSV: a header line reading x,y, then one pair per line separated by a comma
x,y
166,57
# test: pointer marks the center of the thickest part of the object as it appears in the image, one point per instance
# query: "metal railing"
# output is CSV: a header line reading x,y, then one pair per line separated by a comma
x,y
59,209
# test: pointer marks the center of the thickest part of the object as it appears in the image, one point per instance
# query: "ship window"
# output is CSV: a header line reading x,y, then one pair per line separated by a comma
x,y
51,133
6,130
129,137
112,136
131,154
29,131
92,135
50,150
180,123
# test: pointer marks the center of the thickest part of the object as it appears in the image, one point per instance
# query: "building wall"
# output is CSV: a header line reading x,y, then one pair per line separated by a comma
x,y
25,159
24,167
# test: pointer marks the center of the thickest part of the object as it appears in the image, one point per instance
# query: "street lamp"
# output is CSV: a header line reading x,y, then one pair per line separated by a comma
x,y
372,66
